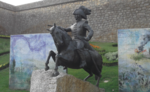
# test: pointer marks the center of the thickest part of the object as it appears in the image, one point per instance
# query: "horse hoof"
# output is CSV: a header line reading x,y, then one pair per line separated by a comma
x,y
65,67
55,73
46,68
85,79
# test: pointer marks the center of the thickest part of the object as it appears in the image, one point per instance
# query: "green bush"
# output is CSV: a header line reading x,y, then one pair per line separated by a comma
x,y
3,66
102,51
4,36
115,45
111,56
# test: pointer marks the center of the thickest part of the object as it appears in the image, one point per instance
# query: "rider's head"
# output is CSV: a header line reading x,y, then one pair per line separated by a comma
x,y
77,17
82,12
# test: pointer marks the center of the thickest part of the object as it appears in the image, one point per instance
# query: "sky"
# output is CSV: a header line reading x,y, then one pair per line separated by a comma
x,y
19,2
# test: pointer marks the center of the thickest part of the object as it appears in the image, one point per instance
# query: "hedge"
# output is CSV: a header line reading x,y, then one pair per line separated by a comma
x,y
4,53
5,36
3,66
110,64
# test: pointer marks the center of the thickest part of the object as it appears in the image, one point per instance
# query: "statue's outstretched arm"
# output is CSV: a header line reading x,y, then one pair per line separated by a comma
x,y
65,29
88,28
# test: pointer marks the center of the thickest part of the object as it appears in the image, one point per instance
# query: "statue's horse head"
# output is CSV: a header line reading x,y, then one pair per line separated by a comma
x,y
56,34
60,36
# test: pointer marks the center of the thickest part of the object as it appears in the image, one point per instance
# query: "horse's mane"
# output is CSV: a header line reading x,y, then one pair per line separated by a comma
x,y
60,28
64,32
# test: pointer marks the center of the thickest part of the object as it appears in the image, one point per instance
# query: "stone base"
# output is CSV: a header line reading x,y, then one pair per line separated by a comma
x,y
42,81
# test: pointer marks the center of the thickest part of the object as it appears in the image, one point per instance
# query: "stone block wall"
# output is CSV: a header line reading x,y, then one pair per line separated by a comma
x,y
43,3
7,18
106,18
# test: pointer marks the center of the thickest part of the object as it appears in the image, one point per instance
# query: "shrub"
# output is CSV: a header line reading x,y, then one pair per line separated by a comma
x,y
4,36
115,45
111,56
3,66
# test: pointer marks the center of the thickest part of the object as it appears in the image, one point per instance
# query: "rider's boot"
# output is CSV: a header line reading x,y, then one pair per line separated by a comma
x,y
83,62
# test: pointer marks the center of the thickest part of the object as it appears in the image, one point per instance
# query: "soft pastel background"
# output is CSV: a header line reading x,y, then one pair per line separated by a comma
x,y
134,70
27,53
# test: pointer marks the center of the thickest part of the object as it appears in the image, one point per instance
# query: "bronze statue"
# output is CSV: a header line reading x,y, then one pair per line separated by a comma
x,y
76,53
79,29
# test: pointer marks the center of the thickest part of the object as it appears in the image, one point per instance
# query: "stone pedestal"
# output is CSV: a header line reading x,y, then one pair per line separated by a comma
x,y
42,81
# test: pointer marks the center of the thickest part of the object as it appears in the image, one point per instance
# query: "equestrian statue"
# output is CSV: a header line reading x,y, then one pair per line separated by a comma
x,y
75,52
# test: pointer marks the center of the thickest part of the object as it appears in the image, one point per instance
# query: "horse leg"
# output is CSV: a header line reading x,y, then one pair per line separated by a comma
x,y
90,74
53,54
55,73
97,84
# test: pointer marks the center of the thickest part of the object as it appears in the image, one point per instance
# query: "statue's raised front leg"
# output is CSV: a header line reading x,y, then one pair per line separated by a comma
x,y
55,73
53,54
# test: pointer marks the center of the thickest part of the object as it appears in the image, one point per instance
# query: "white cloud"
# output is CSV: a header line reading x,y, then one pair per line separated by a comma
x,y
19,2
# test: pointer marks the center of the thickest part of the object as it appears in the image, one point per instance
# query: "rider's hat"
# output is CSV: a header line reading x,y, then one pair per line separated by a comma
x,y
83,11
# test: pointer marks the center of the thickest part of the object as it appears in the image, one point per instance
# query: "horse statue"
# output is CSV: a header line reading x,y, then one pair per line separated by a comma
x,y
68,56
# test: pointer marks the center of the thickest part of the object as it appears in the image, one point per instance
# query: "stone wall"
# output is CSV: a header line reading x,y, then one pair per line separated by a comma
x,y
43,3
7,18
107,17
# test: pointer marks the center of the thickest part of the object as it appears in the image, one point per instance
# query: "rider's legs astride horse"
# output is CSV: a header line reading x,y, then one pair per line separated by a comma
x,y
81,46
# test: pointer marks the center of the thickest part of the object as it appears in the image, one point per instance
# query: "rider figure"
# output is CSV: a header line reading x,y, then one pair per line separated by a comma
x,y
79,29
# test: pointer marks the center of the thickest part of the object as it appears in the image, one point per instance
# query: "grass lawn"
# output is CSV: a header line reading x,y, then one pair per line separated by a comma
x,y
4,45
106,45
4,82
108,73
4,59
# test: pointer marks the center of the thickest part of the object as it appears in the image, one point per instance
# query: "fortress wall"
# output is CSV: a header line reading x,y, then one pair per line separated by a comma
x,y
7,18
107,17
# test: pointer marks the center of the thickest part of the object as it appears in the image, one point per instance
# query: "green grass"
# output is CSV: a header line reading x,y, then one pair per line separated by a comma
x,y
4,82
4,59
105,48
106,45
4,45
108,73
